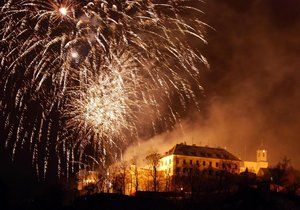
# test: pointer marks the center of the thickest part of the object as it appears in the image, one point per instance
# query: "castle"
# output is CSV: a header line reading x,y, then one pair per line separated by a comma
x,y
183,158
174,170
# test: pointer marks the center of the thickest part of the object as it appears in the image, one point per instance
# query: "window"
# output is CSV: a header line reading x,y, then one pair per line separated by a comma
x,y
210,163
235,166
223,165
177,170
177,161
184,170
263,154
203,163
197,162
191,170
170,161
191,162
184,162
217,165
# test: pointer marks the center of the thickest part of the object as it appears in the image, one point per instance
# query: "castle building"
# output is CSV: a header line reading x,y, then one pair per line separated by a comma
x,y
183,159
184,167
261,162
86,179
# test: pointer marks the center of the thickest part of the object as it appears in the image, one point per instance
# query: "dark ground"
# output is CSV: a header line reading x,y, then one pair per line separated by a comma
x,y
55,198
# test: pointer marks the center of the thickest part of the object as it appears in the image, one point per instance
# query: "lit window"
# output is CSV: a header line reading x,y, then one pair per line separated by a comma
x,y
170,161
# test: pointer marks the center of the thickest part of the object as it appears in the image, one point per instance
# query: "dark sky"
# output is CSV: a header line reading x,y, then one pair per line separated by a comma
x,y
253,84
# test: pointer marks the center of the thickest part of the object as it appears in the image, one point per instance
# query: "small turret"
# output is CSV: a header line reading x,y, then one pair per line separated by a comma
x,y
261,155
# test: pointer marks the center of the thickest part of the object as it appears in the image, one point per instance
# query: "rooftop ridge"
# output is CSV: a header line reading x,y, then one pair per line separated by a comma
x,y
201,151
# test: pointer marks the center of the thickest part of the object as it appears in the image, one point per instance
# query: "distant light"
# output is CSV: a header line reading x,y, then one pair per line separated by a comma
x,y
63,11
74,54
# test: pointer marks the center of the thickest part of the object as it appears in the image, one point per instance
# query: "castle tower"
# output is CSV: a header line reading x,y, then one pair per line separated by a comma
x,y
261,155
261,159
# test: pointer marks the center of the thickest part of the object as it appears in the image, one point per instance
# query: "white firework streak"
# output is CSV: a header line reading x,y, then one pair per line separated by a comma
x,y
100,70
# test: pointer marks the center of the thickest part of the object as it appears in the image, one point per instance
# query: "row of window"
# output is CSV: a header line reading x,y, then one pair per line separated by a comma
x,y
263,154
204,163
210,164
191,170
197,162
166,162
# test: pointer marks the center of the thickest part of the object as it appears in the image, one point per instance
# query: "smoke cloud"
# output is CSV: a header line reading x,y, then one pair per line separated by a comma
x,y
252,89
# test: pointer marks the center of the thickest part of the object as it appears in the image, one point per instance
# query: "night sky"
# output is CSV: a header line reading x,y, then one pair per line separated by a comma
x,y
251,91
253,83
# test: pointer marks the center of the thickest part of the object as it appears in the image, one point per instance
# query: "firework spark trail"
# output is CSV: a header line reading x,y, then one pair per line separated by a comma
x,y
101,70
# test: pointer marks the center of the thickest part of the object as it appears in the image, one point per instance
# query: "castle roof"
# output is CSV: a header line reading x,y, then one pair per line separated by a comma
x,y
200,151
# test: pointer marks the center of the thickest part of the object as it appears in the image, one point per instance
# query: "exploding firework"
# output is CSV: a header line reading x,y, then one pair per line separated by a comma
x,y
94,73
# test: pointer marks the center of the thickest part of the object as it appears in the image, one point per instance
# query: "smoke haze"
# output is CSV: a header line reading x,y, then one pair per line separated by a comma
x,y
252,88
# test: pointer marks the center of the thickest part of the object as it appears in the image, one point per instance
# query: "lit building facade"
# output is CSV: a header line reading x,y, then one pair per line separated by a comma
x,y
183,159
184,167
261,162
86,178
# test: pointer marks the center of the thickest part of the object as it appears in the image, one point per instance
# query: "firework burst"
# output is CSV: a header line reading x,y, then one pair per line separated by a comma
x,y
79,73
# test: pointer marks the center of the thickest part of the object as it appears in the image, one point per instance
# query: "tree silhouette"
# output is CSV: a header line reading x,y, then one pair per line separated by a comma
x,y
152,160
